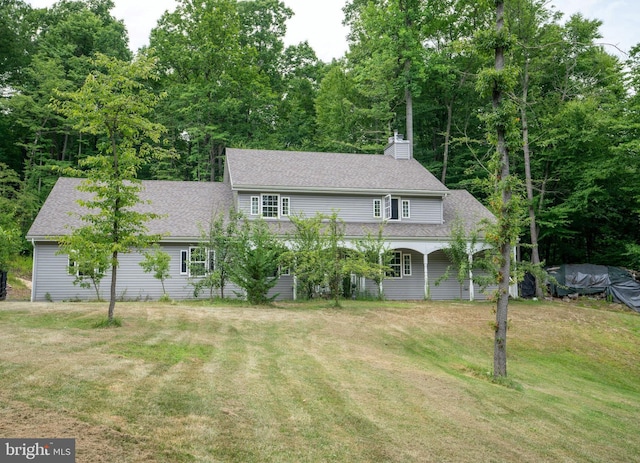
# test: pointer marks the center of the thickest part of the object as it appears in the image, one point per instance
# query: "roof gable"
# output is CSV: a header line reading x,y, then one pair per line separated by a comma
x,y
338,172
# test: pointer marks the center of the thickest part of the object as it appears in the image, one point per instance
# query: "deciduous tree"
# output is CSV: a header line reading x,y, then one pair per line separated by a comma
x,y
112,105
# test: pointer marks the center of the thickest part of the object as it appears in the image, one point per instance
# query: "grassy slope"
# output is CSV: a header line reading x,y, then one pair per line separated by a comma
x,y
390,382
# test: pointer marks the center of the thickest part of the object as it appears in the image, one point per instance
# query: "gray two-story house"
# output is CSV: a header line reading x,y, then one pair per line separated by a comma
x,y
393,189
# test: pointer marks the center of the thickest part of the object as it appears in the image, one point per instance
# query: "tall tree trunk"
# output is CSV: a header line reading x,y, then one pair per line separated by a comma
x,y
533,227
212,162
447,138
502,306
63,154
115,231
409,102
112,292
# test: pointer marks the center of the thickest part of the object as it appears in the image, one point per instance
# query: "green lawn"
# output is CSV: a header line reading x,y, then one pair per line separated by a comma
x,y
371,382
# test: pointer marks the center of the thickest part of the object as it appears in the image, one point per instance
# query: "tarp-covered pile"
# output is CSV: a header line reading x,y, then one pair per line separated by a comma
x,y
593,279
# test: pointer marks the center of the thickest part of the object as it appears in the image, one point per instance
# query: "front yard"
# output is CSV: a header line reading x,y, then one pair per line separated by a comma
x,y
371,382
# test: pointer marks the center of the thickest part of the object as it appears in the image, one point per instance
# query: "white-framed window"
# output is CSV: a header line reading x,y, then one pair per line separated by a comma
x,y
212,260
406,209
74,268
197,261
284,271
270,205
184,262
255,205
387,207
391,208
400,265
285,206
406,265
395,265
377,208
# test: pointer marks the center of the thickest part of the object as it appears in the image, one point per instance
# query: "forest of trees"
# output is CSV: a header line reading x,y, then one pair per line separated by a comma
x,y
224,77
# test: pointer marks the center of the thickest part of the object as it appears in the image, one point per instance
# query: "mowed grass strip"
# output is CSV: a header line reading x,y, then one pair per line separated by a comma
x,y
371,382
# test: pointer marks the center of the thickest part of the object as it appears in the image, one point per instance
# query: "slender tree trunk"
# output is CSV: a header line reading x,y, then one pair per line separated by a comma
x,y
116,233
63,154
212,163
409,113
533,227
502,306
112,293
447,138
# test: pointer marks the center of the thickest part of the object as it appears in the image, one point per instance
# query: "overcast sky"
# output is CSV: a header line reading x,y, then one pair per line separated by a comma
x,y
320,21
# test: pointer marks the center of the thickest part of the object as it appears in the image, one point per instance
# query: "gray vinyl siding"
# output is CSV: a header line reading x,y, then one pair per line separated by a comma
x,y
352,208
406,287
51,280
51,277
283,290
449,288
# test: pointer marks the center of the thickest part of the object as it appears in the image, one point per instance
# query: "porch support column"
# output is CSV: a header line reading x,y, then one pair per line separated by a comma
x,y
513,287
471,289
427,289
295,287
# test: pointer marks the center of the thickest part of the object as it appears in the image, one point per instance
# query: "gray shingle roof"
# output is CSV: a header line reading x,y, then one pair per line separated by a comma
x,y
184,207
187,208
250,169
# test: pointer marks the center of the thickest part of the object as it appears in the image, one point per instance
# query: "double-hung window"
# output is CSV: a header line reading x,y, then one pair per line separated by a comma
x,y
270,205
197,261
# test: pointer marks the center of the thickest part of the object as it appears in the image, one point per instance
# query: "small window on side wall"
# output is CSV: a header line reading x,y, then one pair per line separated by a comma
x,y
406,209
184,262
377,208
255,205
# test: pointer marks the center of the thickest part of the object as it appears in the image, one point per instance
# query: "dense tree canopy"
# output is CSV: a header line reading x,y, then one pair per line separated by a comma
x,y
412,66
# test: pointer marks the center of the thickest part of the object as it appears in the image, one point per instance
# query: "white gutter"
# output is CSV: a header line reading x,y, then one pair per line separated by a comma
x,y
330,190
